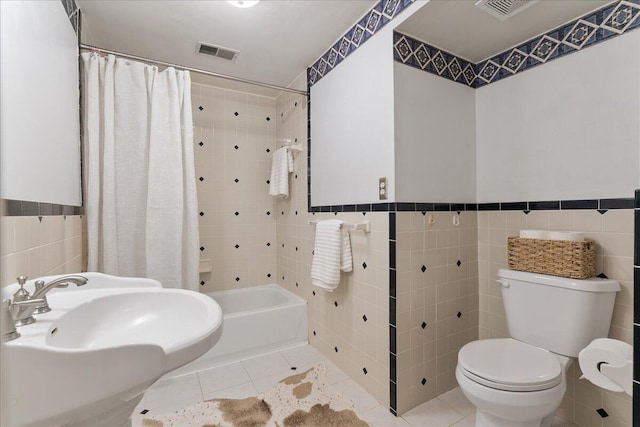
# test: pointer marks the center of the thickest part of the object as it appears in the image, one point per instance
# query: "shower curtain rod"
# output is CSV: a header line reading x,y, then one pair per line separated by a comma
x,y
195,70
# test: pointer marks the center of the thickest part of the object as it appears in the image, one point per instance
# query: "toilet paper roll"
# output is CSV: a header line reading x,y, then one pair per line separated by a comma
x,y
566,235
533,234
604,350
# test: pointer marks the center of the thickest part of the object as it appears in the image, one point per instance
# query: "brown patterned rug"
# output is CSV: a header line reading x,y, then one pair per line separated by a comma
x,y
301,400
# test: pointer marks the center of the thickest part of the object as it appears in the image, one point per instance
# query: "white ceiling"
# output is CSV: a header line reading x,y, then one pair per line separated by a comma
x,y
277,40
459,27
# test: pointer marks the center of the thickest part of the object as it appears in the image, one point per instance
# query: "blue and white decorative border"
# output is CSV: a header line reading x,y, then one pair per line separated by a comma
x,y
379,16
603,24
423,56
73,12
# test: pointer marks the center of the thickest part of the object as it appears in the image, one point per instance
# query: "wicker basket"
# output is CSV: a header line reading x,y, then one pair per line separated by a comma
x,y
576,260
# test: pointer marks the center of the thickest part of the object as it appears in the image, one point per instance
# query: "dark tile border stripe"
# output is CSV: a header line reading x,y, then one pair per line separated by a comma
x,y
588,30
393,380
551,205
579,204
616,203
636,310
515,206
25,208
545,206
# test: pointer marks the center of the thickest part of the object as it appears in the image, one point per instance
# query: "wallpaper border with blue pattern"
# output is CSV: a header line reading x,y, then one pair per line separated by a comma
x,y
379,16
603,24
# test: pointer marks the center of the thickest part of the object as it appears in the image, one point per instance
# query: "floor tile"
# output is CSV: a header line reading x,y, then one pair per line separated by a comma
x,y
335,374
381,417
252,376
561,422
174,394
434,413
239,391
303,355
468,421
361,399
222,377
263,384
266,365
458,401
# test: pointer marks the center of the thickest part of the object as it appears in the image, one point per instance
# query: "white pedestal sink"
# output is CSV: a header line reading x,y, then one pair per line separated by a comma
x,y
89,360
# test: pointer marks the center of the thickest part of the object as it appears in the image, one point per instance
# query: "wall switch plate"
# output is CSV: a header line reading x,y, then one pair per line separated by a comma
x,y
382,188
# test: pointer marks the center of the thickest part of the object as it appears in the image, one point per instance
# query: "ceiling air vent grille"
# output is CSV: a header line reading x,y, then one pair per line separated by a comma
x,y
217,51
504,9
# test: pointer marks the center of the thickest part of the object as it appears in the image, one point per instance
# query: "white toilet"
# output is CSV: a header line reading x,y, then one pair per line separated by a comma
x,y
520,381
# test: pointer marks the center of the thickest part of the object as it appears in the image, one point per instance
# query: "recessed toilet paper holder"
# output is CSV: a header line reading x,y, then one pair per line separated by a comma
x,y
619,374
613,363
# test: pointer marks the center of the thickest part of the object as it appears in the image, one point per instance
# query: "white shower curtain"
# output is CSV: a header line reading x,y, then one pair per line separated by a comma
x,y
140,189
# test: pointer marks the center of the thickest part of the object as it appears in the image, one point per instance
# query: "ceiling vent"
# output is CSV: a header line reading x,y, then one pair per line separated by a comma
x,y
217,51
504,9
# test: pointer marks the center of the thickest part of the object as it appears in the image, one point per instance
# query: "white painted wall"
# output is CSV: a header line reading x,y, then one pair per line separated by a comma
x,y
39,118
569,129
352,126
435,125
352,110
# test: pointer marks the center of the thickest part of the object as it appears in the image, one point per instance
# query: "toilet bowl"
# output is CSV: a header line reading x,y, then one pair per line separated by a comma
x,y
520,381
512,384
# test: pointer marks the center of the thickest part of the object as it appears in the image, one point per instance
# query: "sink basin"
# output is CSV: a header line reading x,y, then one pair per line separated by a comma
x,y
92,357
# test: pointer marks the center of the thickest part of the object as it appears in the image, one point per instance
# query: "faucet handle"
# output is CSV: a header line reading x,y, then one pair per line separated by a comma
x,y
21,294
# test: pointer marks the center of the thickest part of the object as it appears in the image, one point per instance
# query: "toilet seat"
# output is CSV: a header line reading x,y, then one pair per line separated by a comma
x,y
509,365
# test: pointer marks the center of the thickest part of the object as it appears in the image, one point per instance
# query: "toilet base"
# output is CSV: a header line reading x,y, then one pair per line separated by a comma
x,y
499,408
484,419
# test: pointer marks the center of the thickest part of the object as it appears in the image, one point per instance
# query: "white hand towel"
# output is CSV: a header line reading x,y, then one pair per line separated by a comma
x,y
281,166
331,254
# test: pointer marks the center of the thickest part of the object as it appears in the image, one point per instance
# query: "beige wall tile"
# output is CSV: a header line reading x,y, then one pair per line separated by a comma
x,y
7,238
587,220
220,164
618,221
362,292
50,246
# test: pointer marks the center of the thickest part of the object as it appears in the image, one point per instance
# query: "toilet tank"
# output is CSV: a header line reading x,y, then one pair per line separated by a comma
x,y
559,314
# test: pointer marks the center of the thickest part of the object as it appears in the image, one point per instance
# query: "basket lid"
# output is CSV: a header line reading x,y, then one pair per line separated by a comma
x,y
593,284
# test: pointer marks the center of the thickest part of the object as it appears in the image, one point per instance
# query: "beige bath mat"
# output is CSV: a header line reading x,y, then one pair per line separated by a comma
x,y
301,400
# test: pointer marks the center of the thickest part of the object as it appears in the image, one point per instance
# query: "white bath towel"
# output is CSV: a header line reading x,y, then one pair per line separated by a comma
x,y
281,166
331,254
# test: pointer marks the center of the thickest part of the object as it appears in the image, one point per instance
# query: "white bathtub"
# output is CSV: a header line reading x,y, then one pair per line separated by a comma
x,y
257,320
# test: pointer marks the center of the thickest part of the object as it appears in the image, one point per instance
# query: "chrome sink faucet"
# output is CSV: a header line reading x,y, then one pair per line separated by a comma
x,y
61,282
21,312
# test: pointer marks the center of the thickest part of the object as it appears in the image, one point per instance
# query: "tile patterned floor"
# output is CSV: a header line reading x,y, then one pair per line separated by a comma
x,y
251,376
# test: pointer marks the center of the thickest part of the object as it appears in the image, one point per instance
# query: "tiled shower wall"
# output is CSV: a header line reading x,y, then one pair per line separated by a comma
x,y
613,233
234,138
437,294
40,246
349,325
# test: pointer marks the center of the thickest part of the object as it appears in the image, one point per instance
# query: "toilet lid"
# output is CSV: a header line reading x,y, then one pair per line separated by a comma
x,y
507,364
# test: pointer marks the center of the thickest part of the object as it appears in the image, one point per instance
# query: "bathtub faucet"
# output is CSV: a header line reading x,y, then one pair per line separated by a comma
x,y
22,312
